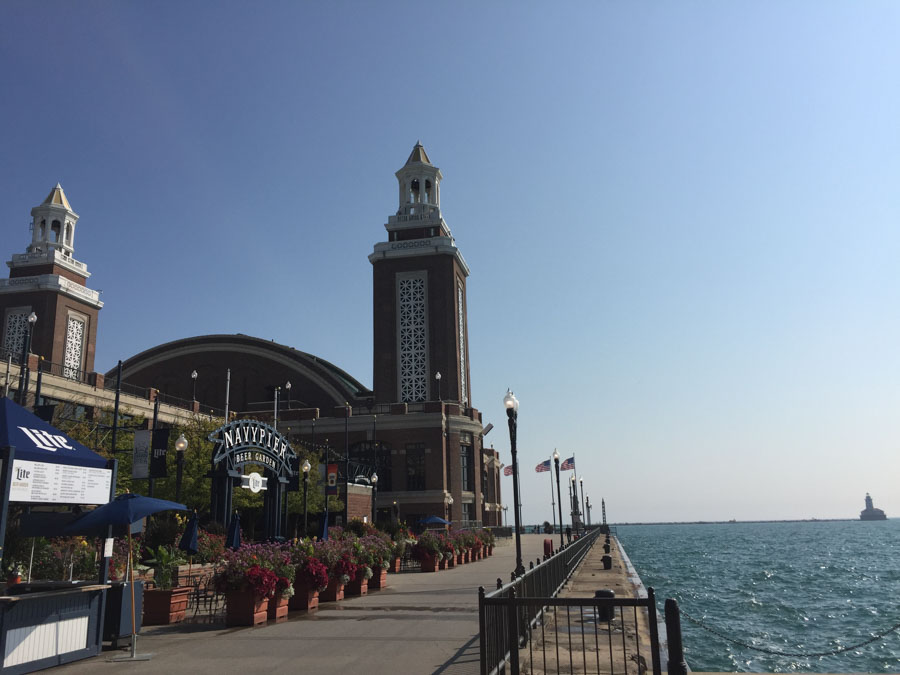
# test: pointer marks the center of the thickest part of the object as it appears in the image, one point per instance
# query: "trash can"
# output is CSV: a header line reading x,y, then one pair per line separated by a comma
x,y
117,620
605,612
548,548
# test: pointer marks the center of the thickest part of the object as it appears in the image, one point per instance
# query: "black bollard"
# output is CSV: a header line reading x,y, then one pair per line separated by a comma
x,y
605,612
606,548
676,665
607,562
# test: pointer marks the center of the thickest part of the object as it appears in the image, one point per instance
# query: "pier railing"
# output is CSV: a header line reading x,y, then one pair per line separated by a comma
x,y
525,614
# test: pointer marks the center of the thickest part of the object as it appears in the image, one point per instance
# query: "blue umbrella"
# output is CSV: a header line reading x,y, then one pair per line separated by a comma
x,y
434,520
125,510
188,542
233,540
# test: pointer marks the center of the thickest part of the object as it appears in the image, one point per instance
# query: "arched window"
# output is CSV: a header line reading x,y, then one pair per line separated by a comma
x,y
68,234
43,229
56,228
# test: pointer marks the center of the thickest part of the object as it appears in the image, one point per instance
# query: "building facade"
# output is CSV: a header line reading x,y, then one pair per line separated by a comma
x,y
416,429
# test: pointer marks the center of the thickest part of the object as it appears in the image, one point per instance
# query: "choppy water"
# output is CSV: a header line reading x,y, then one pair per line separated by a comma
x,y
790,587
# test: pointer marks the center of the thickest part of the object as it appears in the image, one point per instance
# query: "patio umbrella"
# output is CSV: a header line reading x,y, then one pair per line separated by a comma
x,y
125,510
189,543
434,520
233,540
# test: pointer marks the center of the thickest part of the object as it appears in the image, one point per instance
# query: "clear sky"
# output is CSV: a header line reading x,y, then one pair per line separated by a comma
x,y
681,217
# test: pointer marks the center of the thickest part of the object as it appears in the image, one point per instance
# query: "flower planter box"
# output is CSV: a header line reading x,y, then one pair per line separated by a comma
x,y
478,554
333,592
278,608
394,567
490,550
460,558
442,564
379,578
428,563
359,586
451,562
304,598
165,606
243,608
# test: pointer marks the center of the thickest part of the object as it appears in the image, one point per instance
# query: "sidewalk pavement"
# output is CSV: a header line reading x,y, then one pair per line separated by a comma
x,y
421,623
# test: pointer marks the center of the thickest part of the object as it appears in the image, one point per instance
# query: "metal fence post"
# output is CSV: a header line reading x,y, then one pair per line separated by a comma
x,y
654,631
677,665
481,629
513,632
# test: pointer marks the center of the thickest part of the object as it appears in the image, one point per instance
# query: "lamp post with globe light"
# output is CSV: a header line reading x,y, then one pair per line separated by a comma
x,y
374,480
558,496
512,414
24,375
180,446
583,510
305,467
194,385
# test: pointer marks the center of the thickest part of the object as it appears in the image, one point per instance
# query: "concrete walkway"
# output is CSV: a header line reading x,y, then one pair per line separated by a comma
x,y
422,623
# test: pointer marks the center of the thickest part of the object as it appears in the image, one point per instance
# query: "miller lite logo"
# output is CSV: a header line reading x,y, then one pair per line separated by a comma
x,y
47,441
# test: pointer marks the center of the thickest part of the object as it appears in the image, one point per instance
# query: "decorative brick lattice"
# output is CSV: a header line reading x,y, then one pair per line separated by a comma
x,y
74,345
413,350
14,334
462,345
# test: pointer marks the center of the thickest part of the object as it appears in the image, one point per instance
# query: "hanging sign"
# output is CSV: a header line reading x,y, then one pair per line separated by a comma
x,y
44,483
331,477
158,454
252,442
254,482
140,463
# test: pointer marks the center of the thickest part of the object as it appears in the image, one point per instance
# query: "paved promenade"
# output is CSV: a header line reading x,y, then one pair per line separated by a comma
x,y
422,623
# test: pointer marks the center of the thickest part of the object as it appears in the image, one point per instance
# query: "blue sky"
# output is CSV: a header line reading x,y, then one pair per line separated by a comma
x,y
681,218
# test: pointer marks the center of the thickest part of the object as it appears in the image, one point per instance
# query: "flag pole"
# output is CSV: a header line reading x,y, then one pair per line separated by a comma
x,y
552,497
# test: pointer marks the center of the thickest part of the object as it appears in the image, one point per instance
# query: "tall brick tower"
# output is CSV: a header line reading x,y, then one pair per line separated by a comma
x,y
48,281
419,288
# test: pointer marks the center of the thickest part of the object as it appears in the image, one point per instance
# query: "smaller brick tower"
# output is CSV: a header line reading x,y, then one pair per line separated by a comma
x,y
48,281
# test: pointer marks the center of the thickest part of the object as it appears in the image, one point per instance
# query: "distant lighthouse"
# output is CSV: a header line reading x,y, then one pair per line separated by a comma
x,y
870,512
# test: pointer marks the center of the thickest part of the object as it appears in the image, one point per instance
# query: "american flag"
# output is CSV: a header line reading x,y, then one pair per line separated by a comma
x,y
507,470
543,466
568,465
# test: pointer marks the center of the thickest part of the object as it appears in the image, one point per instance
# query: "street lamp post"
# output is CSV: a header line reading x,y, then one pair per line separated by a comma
x,y
194,385
305,467
374,480
437,376
573,497
558,496
588,506
583,510
24,375
287,385
180,446
505,509
512,414
448,508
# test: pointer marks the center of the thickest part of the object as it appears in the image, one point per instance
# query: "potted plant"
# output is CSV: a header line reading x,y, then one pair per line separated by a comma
x,y
426,550
247,585
13,574
280,563
341,569
380,547
362,558
398,550
166,602
310,575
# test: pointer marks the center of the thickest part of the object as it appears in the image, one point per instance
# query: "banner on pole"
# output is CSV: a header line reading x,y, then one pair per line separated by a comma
x,y
158,455
140,463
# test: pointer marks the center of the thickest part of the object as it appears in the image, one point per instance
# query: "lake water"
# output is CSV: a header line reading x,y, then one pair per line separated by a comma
x,y
805,588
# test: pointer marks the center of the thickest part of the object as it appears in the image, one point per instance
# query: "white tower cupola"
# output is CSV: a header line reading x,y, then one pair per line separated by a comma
x,y
420,181
53,225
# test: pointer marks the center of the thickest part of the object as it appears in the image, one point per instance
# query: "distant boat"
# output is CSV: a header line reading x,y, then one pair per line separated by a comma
x,y
870,512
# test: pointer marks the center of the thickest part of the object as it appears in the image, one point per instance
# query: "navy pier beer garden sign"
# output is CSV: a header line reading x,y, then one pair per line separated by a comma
x,y
244,442
252,442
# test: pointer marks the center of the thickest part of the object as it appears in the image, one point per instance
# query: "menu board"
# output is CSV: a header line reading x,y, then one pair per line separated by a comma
x,y
58,483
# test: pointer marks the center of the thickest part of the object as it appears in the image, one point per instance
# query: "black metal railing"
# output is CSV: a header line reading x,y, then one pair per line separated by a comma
x,y
568,635
509,615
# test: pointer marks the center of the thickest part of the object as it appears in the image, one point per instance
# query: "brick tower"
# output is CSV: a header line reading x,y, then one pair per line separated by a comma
x,y
48,281
419,289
